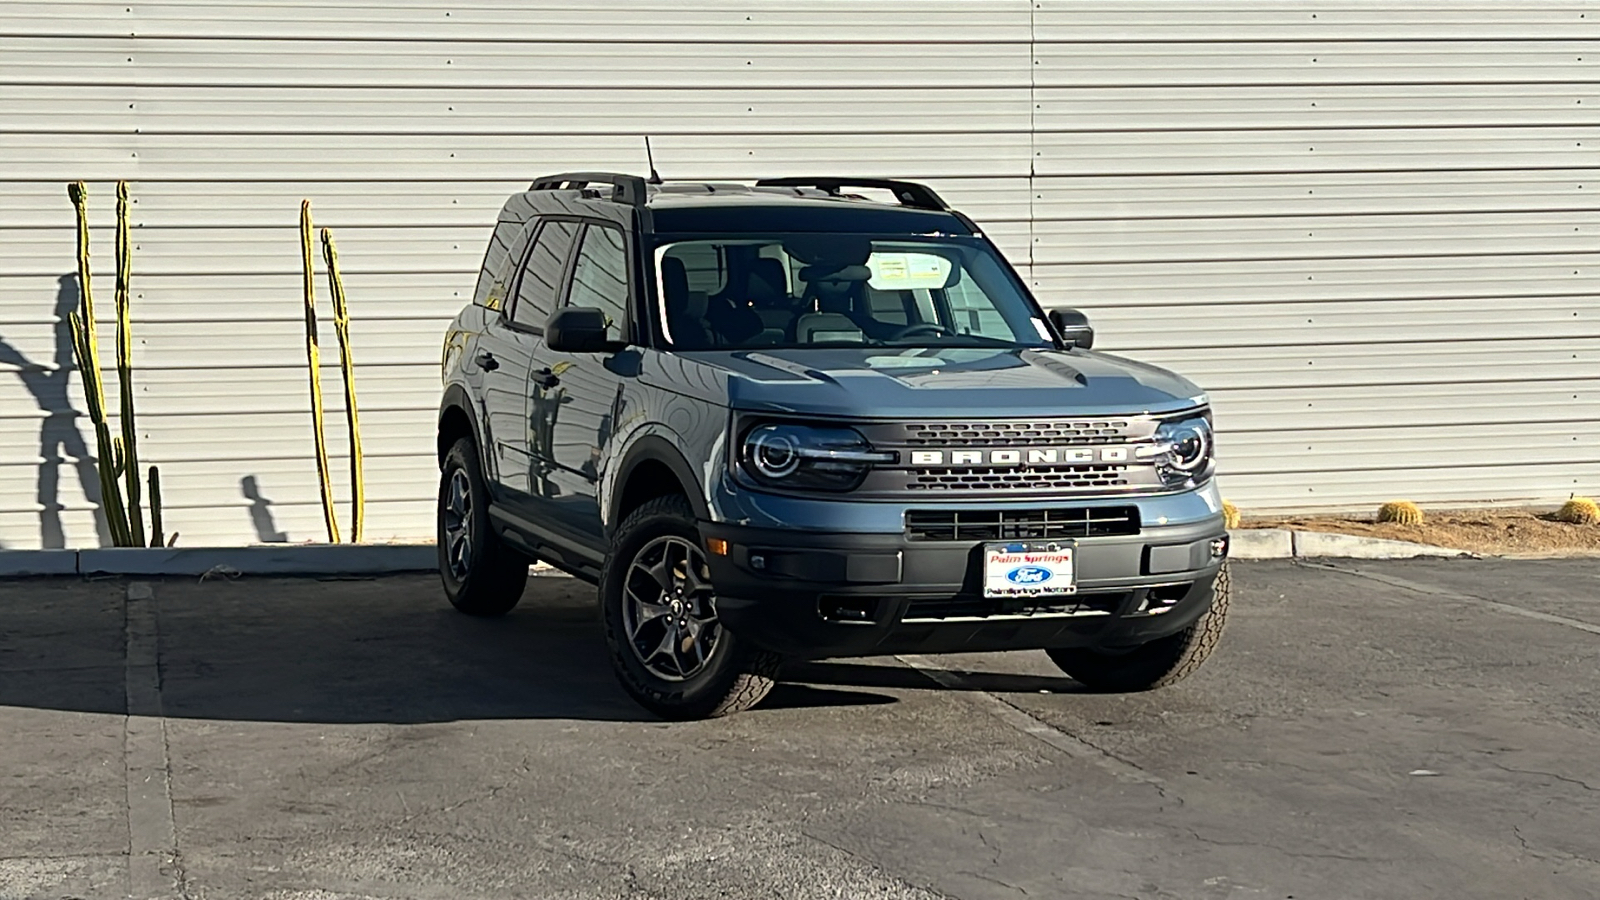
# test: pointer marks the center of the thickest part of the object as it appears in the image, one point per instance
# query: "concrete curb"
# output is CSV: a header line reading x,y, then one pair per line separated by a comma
x,y
272,559
16,563
1282,543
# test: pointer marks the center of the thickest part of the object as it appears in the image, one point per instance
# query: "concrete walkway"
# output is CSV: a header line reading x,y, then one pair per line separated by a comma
x,y
1401,729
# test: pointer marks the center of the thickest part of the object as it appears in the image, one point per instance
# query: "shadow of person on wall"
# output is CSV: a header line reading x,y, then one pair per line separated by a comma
x,y
59,438
261,513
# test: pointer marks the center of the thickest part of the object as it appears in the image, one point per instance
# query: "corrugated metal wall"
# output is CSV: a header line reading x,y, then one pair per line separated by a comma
x,y
1367,229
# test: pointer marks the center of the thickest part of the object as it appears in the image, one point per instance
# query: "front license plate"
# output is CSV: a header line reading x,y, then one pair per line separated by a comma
x,y
1029,569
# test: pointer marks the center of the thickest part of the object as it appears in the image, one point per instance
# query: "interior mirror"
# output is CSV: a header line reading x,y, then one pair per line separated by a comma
x,y
1073,327
579,329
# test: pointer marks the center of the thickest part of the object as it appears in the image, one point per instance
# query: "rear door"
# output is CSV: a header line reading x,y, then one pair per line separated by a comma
x,y
506,353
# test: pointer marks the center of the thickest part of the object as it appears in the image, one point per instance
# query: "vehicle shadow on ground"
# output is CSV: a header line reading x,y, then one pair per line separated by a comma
x,y
350,651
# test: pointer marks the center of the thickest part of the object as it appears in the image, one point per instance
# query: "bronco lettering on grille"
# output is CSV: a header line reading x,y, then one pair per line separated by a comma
x,y
1023,456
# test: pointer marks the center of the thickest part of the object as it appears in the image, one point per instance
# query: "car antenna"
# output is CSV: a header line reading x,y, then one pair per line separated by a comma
x,y
655,177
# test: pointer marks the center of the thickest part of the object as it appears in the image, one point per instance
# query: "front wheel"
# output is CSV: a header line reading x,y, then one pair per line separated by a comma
x,y
659,613
1157,664
481,575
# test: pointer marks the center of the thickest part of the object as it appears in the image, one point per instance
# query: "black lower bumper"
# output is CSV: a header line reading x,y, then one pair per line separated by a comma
x,y
825,595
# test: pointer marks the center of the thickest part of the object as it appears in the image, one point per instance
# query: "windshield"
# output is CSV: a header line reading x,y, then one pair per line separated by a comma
x,y
814,290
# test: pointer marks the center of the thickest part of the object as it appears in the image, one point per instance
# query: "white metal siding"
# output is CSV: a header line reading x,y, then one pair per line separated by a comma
x,y
1367,229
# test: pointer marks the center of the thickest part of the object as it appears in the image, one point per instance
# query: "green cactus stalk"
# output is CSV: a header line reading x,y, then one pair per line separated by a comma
x,y
130,437
155,507
86,348
341,327
314,361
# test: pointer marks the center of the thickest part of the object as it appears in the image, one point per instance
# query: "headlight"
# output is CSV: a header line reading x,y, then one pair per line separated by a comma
x,y
1183,449
804,457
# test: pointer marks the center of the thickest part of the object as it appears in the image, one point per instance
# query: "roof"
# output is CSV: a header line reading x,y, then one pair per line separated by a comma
x,y
743,209
826,204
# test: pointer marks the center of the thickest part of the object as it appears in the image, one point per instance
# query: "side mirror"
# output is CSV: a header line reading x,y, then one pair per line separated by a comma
x,y
1073,327
579,329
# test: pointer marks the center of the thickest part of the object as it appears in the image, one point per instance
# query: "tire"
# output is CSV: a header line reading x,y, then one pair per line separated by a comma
x,y
481,575
1159,663
658,611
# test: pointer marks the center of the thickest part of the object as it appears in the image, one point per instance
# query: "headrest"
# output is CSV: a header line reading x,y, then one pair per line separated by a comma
x,y
674,278
829,272
767,284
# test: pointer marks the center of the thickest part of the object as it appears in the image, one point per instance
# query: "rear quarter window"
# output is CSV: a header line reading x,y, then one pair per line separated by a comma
x,y
506,247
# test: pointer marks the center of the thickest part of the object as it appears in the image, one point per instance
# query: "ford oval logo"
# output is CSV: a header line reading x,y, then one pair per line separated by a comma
x,y
1029,575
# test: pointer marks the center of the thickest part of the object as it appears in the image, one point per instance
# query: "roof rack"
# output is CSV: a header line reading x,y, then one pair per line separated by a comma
x,y
629,189
909,193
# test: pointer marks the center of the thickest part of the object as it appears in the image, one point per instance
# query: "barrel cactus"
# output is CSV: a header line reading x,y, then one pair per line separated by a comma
x,y
1579,511
1400,512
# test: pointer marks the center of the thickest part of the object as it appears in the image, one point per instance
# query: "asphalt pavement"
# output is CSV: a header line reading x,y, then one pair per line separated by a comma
x,y
1408,729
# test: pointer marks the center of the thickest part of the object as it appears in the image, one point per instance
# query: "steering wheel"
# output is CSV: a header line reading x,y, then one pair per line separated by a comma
x,y
929,327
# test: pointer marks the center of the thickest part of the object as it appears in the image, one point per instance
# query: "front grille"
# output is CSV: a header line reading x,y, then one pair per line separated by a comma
x,y
1100,603
1015,434
1020,524
1018,479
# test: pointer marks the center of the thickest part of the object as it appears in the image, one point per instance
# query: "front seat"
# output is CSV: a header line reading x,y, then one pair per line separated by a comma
x,y
831,293
767,292
686,309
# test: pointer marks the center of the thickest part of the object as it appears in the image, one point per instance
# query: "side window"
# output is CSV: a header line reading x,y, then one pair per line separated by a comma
x,y
505,249
541,274
600,278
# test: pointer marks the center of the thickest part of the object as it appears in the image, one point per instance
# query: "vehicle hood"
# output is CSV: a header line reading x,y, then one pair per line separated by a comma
x,y
894,382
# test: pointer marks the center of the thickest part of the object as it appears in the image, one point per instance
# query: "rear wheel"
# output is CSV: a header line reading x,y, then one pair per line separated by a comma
x,y
1159,663
659,613
481,575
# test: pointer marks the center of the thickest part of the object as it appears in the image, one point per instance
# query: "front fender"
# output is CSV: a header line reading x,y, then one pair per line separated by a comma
x,y
658,444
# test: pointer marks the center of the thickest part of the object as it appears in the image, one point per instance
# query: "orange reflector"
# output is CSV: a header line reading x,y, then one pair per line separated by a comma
x,y
717,546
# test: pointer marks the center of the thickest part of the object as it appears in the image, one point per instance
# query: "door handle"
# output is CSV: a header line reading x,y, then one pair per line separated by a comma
x,y
544,378
487,362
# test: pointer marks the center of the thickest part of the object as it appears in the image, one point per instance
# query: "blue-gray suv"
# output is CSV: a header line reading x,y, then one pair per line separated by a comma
x,y
814,417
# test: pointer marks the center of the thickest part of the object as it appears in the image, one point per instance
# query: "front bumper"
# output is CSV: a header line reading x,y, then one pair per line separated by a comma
x,y
813,594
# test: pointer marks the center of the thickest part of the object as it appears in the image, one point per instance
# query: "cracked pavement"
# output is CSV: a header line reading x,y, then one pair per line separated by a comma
x,y
1366,730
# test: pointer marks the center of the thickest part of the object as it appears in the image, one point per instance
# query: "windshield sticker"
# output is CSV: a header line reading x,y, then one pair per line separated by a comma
x,y
908,271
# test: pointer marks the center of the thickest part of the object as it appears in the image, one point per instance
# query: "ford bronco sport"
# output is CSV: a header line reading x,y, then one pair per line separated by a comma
x,y
790,419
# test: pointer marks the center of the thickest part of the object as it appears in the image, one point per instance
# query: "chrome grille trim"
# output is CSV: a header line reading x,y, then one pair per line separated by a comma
x,y
1016,434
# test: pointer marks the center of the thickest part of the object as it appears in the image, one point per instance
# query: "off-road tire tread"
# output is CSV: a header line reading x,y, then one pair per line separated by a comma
x,y
1194,646
754,670
499,573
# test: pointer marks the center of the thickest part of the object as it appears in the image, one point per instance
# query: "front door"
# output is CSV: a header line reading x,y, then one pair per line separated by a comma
x,y
579,398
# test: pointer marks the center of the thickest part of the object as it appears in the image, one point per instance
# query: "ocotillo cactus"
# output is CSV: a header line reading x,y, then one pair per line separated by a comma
x,y
341,327
118,457
130,437
86,348
314,361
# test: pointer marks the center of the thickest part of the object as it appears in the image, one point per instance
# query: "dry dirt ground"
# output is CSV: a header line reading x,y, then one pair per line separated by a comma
x,y
1488,532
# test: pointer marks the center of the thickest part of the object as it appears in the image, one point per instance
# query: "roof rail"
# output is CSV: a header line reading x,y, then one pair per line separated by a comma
x,y
627,189
909,193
